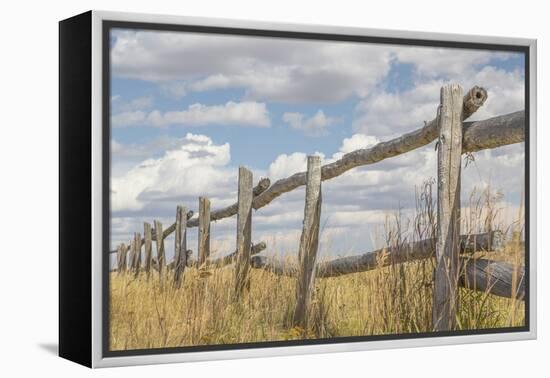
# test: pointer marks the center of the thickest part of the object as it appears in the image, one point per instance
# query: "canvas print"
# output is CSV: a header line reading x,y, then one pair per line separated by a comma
x,y
272,190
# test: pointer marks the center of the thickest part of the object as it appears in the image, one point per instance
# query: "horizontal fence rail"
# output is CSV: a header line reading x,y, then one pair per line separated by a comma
x,y
419,250
478,135
483,275
453,256
218,262
494,277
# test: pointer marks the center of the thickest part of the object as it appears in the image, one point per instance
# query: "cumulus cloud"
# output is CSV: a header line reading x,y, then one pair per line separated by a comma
x,y
358,201
387,114
248,113
149,179
196,168
358,141
286,165
125,156
361,199
315,125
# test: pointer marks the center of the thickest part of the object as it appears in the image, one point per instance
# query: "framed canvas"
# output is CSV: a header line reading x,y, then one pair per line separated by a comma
x,y
234,189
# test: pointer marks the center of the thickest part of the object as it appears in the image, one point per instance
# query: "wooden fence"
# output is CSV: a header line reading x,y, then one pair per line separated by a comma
x,y
452,269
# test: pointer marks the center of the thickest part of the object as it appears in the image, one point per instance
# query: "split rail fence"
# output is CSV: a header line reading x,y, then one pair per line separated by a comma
x,y
455,138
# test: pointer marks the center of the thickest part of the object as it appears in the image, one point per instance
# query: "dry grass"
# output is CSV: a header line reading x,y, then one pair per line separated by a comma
x,y
395,299
391,300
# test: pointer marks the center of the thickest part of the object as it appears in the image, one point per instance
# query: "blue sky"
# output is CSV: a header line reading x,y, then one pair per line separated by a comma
x,y
186,105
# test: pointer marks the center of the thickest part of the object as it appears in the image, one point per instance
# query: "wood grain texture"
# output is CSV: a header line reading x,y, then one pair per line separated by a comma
x,y
483,275
479,135
121,258
170,266
418,250
148,247
161,258
180,247
244,233
495,277
226,212
137,254
486,242
132,258
494,132
309,242
204,230
168,231
449,160
407,142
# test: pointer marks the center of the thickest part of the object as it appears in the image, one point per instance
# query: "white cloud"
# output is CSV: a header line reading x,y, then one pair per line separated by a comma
x,y
506,91
197,167
354,218
315,125
286,70
390,114
232,113
355,203
358,201
436,62
358,141
249,113
174,89
285,165
125,156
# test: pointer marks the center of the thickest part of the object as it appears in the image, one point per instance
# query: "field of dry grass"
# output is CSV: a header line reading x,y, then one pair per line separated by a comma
x,y
395,299
150,313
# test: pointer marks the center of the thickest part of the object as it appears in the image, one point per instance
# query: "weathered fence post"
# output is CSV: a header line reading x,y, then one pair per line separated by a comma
x,y
147,234
161,259
448,208
121,258
244,232
131,257
137,254
180,248
204,229
308,242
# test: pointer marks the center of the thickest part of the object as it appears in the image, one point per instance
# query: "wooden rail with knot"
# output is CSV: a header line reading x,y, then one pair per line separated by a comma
x,y
453,268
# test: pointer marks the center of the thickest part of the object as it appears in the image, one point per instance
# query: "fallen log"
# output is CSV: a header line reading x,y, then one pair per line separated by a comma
x,y
496,281
423,249
494,277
